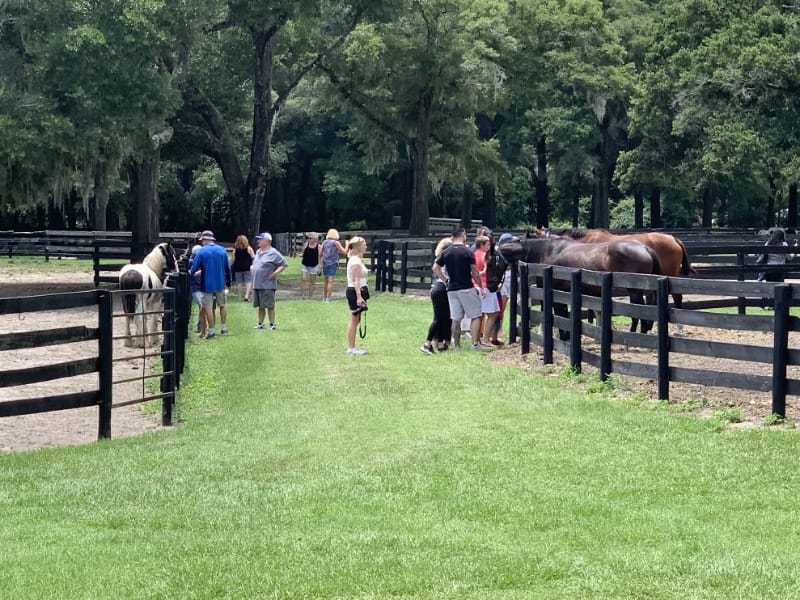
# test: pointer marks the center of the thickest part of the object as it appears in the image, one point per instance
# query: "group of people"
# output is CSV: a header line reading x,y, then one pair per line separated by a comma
x,y
254,273
461,291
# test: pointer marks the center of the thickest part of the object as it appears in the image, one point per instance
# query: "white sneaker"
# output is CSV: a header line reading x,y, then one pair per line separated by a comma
x,y
259,326
272,326
481,347
356,351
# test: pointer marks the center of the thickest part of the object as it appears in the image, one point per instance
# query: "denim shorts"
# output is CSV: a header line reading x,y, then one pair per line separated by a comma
x,y
330,270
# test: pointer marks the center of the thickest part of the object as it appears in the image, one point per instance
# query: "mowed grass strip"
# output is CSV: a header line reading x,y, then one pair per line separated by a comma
x,y
300,472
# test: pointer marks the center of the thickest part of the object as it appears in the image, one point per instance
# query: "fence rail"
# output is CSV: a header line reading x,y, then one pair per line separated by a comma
x,y
540,296
175,317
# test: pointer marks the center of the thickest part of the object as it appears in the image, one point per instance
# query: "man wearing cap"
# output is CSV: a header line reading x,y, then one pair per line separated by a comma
x,y
267,265
211,265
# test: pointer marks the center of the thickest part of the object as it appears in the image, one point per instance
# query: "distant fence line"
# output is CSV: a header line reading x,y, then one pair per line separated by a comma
x,y
177,304
538,296
109,251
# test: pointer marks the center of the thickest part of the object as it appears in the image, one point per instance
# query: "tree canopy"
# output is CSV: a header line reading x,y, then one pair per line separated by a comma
x,y
309,114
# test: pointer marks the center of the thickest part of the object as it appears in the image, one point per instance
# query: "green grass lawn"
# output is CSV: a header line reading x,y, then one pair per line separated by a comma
x,y
300,472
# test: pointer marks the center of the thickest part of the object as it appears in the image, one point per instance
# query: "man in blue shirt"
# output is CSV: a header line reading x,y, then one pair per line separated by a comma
x,y
211,265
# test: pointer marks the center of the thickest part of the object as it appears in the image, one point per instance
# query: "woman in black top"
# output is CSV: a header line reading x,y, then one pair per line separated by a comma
x,y
242,261
309,265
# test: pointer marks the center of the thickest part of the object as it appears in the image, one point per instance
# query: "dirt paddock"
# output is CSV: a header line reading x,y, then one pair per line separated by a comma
x,y
75,426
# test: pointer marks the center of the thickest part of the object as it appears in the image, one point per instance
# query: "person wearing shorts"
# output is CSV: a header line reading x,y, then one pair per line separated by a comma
x,y
331,248
309,265
463,296
267,265
211,265
243,255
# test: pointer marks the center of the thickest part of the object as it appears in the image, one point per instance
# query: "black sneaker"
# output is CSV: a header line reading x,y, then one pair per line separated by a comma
x,y
426,349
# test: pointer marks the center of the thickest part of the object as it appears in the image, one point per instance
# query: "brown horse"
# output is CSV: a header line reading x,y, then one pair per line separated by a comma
x,y
670,250
616,256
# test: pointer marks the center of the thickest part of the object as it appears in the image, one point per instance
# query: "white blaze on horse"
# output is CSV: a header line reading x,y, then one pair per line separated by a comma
x,y
143,309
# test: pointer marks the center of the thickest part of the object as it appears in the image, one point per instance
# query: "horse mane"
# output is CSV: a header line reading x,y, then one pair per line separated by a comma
x,y
157,260
568,232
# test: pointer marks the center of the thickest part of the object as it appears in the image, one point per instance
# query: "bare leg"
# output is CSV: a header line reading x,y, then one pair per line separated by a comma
x,y
475,329
312,281
351,330
271,313
489,332
261,313
456,331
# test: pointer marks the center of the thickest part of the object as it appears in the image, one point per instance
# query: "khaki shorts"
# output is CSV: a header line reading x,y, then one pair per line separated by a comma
x,y
264,298
207,299
464,303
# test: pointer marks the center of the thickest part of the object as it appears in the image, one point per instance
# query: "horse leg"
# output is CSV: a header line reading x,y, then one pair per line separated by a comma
x,y
128,338
636,297
139,323
562,311
678,301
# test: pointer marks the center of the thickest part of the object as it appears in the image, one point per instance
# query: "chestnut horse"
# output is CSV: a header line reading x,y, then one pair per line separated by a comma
x,y
615,256
670,251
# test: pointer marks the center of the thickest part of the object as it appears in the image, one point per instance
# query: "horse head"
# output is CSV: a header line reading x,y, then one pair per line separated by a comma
x,y
161,260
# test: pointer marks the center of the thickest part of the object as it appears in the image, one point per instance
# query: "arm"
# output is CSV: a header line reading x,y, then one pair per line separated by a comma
x,y
355,275
476,277
437,270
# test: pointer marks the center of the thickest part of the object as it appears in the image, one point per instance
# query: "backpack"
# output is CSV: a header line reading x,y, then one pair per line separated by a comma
x,y
495,272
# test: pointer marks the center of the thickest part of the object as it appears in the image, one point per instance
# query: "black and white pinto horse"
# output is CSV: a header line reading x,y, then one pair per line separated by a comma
x,y
143,309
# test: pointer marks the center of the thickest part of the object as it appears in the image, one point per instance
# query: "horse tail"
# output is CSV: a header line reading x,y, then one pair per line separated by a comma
x,y
654,259
130,280
687,270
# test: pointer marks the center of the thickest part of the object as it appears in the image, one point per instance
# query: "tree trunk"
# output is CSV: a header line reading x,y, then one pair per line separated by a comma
x,y
466,206
489,205
655,207
146,205
419,200
708,208
100,201
264,54
791,217
540,184
576,205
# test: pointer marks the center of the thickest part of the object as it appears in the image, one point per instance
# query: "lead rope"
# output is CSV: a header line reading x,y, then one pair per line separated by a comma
x,y
362,333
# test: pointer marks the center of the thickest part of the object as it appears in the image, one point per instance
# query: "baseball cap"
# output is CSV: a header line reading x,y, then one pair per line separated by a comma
x,y
264,236
208,235
507,237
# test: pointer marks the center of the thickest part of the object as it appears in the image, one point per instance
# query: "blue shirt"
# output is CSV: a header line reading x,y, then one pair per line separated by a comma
x,y
215,270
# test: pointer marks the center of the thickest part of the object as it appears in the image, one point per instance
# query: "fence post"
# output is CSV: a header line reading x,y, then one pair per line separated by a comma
x,y
168,354
575,321
513,297
379,267
96,262
105,361
390,269
403,267
662,298
605,325
780,344
524,307
740,302
547,315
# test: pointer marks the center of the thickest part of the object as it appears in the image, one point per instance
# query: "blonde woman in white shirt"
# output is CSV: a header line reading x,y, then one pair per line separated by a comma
x,y
357,292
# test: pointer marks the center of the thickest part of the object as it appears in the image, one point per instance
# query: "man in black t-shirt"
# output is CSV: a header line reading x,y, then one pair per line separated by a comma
x,y
456,267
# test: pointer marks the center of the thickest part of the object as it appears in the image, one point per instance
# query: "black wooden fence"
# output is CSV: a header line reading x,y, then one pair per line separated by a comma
x,y
109,251
175,317
541,288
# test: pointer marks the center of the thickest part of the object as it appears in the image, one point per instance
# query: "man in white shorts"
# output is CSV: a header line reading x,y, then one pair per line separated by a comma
x,y
462,294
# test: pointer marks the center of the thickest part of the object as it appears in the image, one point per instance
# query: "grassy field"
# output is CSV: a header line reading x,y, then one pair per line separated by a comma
x,y
300,472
